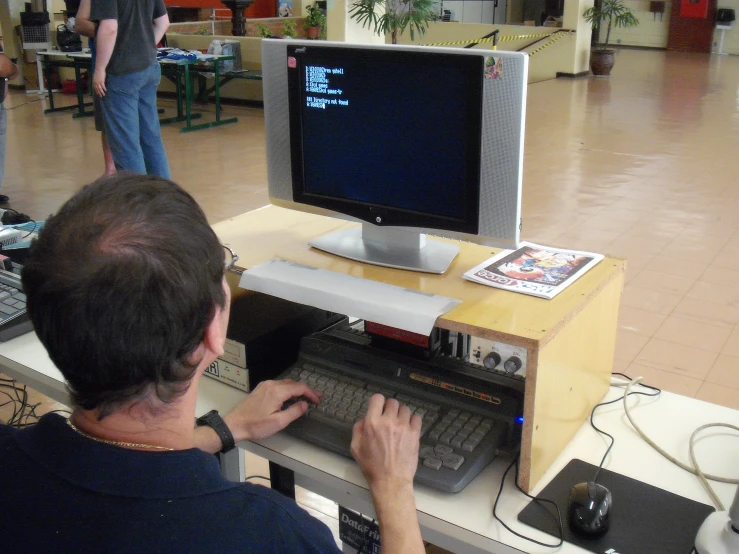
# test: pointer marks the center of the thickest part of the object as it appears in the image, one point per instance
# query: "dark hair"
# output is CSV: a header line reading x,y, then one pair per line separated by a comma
x,y
121,284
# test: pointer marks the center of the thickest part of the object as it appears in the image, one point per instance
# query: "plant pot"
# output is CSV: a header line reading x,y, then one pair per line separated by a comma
x,y
313,32
601,62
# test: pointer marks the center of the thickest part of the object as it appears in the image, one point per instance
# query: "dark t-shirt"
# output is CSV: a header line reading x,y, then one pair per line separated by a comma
x,y
62,492
135,49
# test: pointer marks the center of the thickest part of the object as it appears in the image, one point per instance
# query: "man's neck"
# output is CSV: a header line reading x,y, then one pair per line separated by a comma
x,y
148,422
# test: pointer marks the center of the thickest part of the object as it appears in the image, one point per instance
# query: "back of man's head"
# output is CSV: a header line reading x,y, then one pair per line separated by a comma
x,y
122,284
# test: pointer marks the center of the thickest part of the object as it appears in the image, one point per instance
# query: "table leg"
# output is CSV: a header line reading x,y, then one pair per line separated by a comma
x,y
80,94
188,95
177,81
233,466
218,120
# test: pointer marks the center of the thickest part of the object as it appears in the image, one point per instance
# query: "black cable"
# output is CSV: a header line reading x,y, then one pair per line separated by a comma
x,y
656,392
24,414
537,500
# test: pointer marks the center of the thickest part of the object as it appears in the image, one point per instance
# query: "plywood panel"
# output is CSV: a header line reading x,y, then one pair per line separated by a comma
x,y
569,376
485,311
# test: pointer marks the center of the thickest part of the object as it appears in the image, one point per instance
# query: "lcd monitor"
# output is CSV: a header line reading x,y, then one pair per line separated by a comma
x,y
409,140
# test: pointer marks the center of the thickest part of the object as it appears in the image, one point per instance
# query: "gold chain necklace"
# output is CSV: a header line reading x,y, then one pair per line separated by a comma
x,y
117,443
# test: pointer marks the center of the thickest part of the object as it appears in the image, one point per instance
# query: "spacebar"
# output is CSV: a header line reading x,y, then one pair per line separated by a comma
x,y
315,415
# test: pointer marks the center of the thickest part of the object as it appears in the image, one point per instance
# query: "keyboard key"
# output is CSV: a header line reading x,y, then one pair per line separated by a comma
x,y
464,433
475,419
446,437
457,441
433,463
435,434
426,452
441,450
477,435
464,416
452,461
403,398
454,412
9,310
470,426
469,445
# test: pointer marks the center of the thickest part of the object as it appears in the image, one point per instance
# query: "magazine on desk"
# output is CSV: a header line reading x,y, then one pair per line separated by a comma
x,y
533,269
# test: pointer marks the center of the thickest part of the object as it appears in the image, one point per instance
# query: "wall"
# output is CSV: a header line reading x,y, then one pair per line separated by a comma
x,y
651,31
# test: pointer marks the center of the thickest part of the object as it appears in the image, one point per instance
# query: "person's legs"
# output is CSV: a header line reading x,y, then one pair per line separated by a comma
x,y
155,157
120,110
107,155
3,128
100,126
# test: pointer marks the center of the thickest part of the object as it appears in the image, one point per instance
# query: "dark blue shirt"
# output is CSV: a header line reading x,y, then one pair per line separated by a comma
x,y
63,492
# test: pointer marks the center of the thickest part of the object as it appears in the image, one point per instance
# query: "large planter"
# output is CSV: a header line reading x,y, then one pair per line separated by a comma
x,y
601,62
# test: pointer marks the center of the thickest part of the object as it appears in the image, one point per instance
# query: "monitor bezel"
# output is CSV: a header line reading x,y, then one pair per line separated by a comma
x,y
379,214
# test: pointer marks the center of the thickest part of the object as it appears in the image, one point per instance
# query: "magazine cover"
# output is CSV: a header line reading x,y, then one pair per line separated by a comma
x,y
541,271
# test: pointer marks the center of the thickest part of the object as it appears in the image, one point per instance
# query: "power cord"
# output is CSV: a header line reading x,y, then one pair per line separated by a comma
x,y
695,470
535,499
24,414
656,392
256,477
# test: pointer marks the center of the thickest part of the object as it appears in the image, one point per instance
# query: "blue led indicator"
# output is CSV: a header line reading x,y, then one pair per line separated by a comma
x,y
519,419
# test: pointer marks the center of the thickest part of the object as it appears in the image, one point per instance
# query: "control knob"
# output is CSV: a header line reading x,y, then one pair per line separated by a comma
x,y
491,360
513,364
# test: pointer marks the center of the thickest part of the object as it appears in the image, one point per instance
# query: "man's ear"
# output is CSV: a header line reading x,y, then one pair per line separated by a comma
x,y
215,333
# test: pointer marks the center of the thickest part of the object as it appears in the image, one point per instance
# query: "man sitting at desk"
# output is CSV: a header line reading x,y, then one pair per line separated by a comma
x,y
126,291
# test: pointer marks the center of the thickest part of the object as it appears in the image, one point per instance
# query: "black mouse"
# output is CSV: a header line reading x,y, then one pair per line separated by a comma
x,y
589,509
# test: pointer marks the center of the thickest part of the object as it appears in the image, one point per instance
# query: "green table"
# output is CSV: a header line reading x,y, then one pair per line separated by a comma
x,y
181,73
76,60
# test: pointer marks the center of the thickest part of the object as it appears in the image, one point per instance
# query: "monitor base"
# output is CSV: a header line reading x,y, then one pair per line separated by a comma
x,y
389,247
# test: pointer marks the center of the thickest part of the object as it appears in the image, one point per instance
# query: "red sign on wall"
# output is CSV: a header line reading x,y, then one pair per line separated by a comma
x,y
697,9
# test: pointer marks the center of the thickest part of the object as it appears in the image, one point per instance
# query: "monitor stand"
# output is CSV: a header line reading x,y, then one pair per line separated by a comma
x,y
389,247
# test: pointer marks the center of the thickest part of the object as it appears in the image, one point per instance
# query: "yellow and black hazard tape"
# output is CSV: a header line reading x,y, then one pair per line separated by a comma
x,y
560,34
505,38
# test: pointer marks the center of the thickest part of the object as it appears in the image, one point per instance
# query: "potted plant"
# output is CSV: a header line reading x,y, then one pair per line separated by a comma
x,y
614,13
288,29
315,22
264,32
395,16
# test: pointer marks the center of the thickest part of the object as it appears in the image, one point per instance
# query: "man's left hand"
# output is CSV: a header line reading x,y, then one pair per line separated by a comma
x,y
98,81
260,415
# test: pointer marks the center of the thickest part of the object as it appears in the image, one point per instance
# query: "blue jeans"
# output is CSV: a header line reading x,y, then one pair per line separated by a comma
x,y
132,122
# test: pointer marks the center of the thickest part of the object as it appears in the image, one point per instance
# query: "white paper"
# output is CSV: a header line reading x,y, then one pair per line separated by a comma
x,y
405,309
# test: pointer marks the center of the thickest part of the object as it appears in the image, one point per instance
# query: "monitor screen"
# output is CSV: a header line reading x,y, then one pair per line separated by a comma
x,y
389,135
408,140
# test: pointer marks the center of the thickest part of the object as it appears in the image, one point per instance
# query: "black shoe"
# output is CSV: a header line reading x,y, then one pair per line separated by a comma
x,y
4,199
13,217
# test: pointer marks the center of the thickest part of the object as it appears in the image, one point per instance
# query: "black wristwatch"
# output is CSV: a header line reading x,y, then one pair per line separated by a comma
x,y
215,421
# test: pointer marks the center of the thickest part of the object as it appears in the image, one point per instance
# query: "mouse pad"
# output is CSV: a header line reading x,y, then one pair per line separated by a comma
x,y
644,519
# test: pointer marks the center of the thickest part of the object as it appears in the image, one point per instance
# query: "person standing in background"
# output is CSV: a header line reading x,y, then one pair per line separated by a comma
x,y
83,26
126,78
8,70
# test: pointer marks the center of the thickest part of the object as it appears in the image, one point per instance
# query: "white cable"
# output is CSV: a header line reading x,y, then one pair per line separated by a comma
x,y
694,470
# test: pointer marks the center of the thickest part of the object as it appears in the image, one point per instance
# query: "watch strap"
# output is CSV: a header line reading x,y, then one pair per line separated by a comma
x,y
213,420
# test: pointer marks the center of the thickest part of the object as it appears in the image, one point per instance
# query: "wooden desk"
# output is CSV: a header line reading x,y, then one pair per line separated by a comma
x,y
570,340
463,522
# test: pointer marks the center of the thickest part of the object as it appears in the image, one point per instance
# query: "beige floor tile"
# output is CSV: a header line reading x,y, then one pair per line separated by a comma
x,y
663,282
719,394
665,380
725,372
649,299
707,312
256,465
720,275
628,345
675,266
695,254
731,348
676,358
727,258
620,366
713,292
692,333
629,244
639,321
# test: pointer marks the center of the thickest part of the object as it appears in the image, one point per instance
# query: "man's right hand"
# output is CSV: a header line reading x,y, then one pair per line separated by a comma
x,y
98,81
385,443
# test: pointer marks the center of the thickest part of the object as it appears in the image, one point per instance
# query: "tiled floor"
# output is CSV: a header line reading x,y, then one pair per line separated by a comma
x,y
642,165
